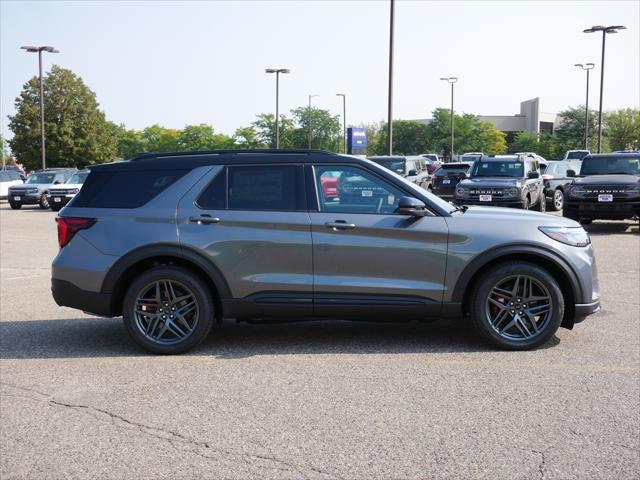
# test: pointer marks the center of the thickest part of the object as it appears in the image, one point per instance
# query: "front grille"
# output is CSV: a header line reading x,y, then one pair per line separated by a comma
x,y
61,192
23,191
616,190
496,193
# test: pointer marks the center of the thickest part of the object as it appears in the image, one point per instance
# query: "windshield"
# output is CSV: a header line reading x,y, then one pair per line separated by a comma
x,y
433,158
41,178
469,158
578,155
498,169
394,164
610,166
77,178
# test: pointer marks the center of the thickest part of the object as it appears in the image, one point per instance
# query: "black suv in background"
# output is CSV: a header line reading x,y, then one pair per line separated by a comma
x,y
445,180
556,180
503,181
608,188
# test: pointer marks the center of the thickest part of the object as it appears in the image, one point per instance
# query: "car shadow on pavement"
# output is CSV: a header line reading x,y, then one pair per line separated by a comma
x,y
607,228
102,337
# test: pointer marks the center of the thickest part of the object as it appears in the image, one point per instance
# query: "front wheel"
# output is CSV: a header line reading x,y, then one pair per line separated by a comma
x,y
168,310
44,203
557,202
517,306
526,203
15,206
542,203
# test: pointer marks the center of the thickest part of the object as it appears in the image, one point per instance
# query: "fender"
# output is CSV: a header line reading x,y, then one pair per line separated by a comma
x,y
165,249
483,259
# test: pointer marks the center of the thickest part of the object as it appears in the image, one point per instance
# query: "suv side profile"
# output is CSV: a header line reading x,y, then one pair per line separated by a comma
x,y
177,242
413,168
36,186
503,180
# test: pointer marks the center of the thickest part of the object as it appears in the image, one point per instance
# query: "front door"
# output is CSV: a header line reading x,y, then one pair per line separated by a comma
x,y
250,221
368,259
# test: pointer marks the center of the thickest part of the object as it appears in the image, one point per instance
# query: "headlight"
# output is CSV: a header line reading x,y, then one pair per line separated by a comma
x,y
461,192
633,191
575,236
512,192
577,191
75,190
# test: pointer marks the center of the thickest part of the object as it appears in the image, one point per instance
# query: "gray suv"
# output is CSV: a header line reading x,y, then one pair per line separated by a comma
x,y
36,186
175,243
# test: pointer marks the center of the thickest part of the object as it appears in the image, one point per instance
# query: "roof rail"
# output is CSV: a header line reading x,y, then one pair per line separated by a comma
x,y
232,152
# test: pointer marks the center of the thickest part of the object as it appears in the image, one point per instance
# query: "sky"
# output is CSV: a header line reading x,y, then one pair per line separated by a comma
x,y
179,63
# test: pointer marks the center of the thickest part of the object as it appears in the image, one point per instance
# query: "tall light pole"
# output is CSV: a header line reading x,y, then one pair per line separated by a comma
x,y
277,71
452,81
309,119
604,30
390,95
344,120
587,67
39,51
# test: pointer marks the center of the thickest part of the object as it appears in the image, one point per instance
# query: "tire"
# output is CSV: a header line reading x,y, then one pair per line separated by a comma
x,y
557,200
527,203
43,203
199,310
542,203
488,318
15,206
586,221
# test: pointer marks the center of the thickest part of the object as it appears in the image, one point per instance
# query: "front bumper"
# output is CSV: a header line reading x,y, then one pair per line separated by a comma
x,y
583,310
619,210
24,199
61,200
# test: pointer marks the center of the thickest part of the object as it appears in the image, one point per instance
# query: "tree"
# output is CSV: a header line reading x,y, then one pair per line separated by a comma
x,y
409,138
247,138
570,132
77,133
544,144
623,129
326,133
202,137
265,128
129,143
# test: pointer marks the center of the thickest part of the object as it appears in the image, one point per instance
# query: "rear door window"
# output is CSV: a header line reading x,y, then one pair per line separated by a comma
x,y
265,187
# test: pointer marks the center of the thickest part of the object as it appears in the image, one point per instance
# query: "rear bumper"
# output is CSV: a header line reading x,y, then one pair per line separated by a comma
x,y
66,294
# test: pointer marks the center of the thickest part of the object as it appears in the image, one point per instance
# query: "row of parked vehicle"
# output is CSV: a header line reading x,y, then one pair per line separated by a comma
x,y
50,188
584,186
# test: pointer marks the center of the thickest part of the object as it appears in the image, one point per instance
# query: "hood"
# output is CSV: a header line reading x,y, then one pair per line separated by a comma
x,y
489,182
510,215
66,186
39,186
608,180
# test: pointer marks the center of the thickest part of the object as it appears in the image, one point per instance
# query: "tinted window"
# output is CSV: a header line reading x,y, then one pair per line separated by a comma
x,y
611,165
355,191
397,165
273,187
123,189
41,178
77,178
498,169
214,197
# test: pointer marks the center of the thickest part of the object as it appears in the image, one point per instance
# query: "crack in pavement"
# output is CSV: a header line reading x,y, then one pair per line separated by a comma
x,y
175,438
542,464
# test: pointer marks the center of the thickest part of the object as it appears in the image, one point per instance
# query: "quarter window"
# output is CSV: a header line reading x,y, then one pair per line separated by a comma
x,y
272,187
346,189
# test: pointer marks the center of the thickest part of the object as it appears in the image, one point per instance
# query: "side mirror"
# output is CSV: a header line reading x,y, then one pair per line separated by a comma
x,y
412,173
56,182
571,173
411,206
533,175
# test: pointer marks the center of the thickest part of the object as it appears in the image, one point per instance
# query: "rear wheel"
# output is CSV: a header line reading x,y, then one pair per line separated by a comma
x,y
168,310
15,206
557,202
517,306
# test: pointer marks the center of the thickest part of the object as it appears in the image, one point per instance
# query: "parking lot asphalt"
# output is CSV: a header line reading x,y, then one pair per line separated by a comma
x,y
313,400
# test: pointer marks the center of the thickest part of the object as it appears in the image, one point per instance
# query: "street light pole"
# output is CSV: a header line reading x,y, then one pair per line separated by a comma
x,y
604,30
344,120
309,119
587,67
390,103
451,80
39,51
277,71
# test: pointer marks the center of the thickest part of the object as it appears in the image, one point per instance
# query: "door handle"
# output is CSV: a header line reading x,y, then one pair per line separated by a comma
x,y
340,225
204,219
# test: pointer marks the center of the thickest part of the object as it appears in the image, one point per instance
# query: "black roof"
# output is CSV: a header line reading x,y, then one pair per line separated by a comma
x,y
191,160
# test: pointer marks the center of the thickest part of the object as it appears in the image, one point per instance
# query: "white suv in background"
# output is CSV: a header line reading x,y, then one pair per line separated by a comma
x,y
59,195
8,178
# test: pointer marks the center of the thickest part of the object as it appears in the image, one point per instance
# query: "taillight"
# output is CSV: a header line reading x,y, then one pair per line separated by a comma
x,y
69,226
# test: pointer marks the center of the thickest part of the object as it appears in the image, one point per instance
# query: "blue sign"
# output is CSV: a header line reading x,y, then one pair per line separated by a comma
x,y
357,141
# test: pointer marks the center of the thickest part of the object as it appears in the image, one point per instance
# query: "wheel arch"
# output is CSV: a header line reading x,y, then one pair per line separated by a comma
x,y
563,273
128,267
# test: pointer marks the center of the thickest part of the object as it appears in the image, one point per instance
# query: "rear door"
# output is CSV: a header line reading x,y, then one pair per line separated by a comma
x,y
368,259
252,223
